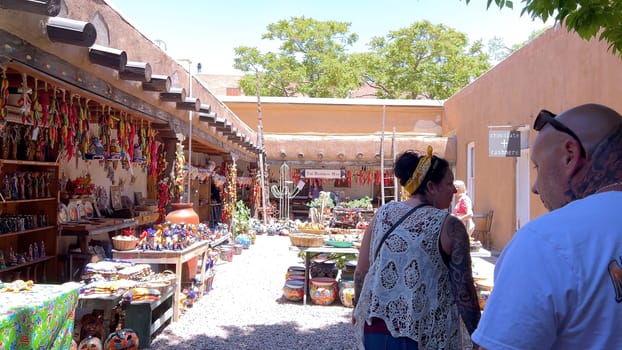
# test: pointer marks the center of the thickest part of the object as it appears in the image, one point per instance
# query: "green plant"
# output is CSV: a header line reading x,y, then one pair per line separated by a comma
x,y
317,203
241,217
363,203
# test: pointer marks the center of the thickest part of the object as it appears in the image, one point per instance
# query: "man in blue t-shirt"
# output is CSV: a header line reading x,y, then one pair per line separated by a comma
x,y
558,283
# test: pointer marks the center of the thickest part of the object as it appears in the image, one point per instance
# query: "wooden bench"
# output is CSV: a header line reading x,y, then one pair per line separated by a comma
x,y
483,223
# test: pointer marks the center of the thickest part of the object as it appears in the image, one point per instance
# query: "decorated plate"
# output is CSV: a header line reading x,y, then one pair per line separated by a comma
x,y
63,213
73,212
88,209
81,210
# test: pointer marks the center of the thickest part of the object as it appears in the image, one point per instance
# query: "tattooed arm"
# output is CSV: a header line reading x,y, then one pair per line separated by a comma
x,y
455,243
362,265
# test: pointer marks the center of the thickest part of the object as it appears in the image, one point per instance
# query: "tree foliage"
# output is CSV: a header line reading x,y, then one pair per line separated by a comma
x,y
420,61
589,18
312,60
423,60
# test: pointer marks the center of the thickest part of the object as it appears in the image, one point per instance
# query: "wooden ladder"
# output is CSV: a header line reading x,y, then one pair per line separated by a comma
x,y
387,193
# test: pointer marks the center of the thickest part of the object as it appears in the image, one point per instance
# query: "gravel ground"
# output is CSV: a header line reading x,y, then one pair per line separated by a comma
x,y
245,309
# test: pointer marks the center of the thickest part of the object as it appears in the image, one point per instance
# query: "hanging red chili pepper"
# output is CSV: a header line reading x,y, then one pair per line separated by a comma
x,y
349,177
4,96
42,100
387,180
376,177
369,177
296,176
131,137
154,152
361,176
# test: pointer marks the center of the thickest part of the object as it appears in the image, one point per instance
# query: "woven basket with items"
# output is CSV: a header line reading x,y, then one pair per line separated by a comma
x,y
124,242
306,240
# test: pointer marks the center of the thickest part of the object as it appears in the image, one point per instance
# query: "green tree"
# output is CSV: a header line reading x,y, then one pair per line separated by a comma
x,y
586,17
423,61
312,60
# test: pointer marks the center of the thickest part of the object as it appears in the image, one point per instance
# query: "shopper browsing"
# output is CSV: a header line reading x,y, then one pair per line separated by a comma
x,y
558,283
413,279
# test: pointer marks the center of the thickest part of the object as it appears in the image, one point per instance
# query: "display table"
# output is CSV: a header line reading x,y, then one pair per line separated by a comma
x,y
481,253
318,250
82,230
101,302
176,257
38,319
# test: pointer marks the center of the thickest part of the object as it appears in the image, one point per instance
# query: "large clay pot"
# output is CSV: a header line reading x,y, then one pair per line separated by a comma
x,y
183,213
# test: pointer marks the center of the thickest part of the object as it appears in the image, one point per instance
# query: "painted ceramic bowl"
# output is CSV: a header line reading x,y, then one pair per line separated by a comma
x,y
293,290
323,290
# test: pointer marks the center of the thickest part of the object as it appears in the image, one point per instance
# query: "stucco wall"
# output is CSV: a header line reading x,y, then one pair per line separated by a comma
x,y
557,70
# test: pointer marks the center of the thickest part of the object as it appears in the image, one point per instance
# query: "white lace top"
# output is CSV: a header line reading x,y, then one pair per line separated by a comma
x,y
408,287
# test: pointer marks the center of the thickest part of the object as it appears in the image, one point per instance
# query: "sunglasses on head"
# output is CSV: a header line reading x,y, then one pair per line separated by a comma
x,y
546,117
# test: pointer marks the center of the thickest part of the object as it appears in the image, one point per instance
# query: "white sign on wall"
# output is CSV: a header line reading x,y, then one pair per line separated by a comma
x,y
323,173
504,143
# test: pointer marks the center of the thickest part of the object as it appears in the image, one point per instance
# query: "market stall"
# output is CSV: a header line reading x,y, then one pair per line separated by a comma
x,y
40,316
177,258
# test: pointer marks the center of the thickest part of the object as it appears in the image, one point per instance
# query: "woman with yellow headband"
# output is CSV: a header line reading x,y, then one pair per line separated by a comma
x,y
413,280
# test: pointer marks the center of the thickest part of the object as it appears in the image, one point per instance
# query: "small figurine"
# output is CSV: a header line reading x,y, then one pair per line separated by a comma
x,y
22,186
96,149
138,154
20,259
29,255
2,263
42,250
115,149
35,251
6,187
11,259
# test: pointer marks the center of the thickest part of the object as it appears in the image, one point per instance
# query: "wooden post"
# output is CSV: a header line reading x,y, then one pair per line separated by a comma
x,y
72,32
160,83
46,8
138,71
173,95
108,57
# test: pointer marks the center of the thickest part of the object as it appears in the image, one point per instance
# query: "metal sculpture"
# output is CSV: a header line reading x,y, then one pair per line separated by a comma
x,y
285,190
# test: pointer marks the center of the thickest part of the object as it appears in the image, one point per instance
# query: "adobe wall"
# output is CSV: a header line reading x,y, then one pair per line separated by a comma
x,y
557,70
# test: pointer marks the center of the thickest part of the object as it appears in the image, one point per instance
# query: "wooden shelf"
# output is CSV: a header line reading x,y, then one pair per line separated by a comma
x,y
36,200
11,234
29,162
29,263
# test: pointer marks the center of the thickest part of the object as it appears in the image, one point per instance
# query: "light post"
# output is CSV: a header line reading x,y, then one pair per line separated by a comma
x,y
190,122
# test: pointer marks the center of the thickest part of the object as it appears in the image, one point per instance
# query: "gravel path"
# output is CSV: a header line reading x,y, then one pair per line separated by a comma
x,y
244,310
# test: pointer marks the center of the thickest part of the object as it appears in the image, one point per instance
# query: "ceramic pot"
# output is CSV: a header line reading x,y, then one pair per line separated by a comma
x,y
183,213
323,268
346,293
293,290
323,290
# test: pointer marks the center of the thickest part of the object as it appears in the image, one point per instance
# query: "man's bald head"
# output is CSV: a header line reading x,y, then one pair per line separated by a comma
x,y
565,173
591,122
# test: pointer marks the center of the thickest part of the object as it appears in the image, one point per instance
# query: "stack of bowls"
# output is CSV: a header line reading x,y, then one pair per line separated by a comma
x,y
293,290
323,290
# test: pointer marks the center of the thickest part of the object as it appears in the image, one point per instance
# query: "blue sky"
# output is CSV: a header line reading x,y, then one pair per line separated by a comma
x,y
206,31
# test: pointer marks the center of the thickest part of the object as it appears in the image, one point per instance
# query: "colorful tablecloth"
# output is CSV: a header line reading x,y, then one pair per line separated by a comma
x,y
41,318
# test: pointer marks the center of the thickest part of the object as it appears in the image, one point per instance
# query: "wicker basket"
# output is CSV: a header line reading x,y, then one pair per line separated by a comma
x,y
306,240
122,243
311,231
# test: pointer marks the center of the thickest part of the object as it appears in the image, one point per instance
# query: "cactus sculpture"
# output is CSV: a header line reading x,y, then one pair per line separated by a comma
x,y
285,191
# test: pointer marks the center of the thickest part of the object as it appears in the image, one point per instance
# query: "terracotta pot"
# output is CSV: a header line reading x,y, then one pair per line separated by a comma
x,y
183,213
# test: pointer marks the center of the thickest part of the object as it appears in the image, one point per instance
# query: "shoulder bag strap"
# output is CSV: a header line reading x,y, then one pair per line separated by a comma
x,y
395,226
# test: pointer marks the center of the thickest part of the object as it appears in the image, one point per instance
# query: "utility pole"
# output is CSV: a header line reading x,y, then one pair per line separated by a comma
x,y
262,175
